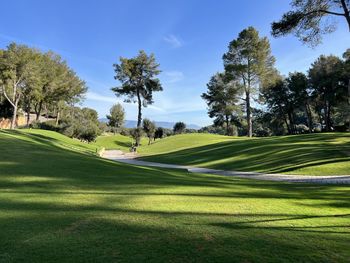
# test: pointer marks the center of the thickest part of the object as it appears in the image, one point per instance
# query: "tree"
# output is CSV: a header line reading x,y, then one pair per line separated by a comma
x,y
325,74
138,82
346,72
249,60
277,97
55,86
80,123
149,128
299,88
159,133
222,98
16,68
308,20
179,127
136,134
116,117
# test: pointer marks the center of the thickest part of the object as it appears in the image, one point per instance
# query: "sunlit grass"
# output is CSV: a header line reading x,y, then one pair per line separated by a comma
x,y
310,154
63,205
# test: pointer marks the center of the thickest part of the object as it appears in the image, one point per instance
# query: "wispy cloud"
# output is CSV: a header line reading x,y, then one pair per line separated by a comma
x,y
173,76
174,41
98,97
110,99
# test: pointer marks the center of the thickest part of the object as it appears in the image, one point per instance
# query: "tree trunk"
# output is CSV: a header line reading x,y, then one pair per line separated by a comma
x,y
349,103
249,117
291,123
57,117
227,123
28,118
38,108
309,116
139,116
14,116
346,12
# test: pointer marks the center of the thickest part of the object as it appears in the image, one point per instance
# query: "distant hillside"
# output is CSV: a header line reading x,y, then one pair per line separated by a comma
x,y
164,124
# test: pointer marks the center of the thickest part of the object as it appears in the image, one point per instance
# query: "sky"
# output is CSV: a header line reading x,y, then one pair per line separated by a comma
x,y
187,37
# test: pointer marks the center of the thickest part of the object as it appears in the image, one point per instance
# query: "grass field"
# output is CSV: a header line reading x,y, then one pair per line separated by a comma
x,y
116,142
60,203
310,154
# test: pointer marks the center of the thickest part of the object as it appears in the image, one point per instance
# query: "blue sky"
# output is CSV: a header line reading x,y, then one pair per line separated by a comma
x,y
187,37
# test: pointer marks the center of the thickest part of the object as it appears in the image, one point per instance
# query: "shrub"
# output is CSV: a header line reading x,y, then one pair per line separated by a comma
x,y
179,127
301,128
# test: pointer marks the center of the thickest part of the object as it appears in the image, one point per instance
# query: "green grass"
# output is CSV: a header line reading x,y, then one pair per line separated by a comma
x,y
116,142
310,154
64,205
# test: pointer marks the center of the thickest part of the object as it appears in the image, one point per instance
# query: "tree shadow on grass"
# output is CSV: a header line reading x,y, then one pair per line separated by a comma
x,y
275,154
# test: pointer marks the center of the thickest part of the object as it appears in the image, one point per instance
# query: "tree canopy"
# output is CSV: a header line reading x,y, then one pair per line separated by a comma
x,y
138,80
308,19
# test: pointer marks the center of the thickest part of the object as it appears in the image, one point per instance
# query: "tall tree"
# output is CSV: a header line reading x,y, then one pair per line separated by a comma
x,y
249,60
324,75
299,92
307,20
16,68
138,81
116,117
222,99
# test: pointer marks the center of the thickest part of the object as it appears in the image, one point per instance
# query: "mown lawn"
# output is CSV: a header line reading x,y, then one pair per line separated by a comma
x,y
310,154
116,142
64,205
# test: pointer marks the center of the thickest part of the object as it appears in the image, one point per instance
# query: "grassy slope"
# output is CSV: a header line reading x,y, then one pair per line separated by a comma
x,y
116,142
58,205
313,154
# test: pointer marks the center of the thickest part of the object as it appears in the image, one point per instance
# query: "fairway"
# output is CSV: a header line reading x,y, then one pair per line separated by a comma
x,y
309,154
116,142
59,203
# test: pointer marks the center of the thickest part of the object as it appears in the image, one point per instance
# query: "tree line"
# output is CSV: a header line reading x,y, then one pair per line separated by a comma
x,y
148,128
36,81
316,101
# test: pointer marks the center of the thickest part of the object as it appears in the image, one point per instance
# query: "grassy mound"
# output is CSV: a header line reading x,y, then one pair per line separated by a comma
x,y
116,142
60,203
310,154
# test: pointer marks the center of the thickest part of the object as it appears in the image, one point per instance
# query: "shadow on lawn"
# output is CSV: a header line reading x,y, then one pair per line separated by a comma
x,y
56,231
273,154
98,210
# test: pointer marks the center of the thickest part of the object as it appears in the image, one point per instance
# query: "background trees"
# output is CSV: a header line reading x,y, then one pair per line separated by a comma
x,y
222,100
307,20
138,81
117,117
179,127
35,81
16,69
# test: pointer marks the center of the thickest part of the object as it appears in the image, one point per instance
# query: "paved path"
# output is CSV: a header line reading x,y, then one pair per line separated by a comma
x,y
130,159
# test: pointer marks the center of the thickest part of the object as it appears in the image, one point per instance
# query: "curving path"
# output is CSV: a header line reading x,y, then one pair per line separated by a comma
x,y
129,158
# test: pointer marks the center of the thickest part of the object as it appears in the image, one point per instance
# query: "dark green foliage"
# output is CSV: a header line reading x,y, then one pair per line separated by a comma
x,y
138,80
116,117
179,127
222,99
159,134
35,81
149,128
249,61
136,134
6,109
308,20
